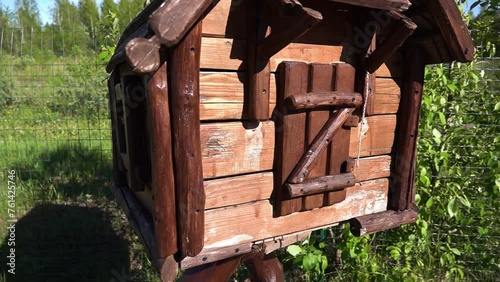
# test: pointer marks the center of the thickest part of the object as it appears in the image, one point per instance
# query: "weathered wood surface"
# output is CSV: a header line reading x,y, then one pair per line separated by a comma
x,y
373,223
222,95
142,223
229,54
172,20
369,197
321,184
231,148
216,271
320,78
248,188
163,186
258,68
264,268
397,5
453,29
219,190
314,100
339,147
185,97
365,198
403,178
320,142
290,137
400,29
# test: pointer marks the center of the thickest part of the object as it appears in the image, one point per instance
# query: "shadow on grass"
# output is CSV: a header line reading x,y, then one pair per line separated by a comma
x,y
67,243
71,229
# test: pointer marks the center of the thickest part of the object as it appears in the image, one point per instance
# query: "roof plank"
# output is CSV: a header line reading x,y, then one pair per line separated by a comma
x,y
391,5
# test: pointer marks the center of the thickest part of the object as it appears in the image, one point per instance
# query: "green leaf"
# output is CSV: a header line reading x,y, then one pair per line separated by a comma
x,y
309,262
497,107
294,250
442,118
452,87
429,202
455,251
464,201
452,207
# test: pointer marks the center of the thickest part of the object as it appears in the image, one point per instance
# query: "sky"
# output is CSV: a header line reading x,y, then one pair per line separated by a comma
x,y
46,5
43,5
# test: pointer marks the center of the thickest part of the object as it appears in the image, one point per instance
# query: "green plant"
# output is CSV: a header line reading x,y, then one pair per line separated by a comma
x,y
309,256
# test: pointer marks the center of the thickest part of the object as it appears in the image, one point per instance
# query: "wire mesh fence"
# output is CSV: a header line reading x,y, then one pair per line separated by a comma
x,y
55,136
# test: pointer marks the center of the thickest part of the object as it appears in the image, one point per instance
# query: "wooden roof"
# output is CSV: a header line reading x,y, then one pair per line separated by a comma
x,y
441,31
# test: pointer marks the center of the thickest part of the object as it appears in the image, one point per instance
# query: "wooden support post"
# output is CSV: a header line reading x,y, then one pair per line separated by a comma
x,y
321,99
349,164
322,184
396,5
301,171
381,221
185,100
263,268
339,147
301,20
142,223
259,70
290,132
401,28
164,209
213,272
320,79
402,186
453,28
352,121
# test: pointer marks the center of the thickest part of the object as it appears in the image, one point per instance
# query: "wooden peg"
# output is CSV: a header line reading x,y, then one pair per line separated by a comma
x,y
322,184
321,99
381,221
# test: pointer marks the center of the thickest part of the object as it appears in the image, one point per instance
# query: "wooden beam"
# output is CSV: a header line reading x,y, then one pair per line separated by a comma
x,y
453,29
321,99
400,30
117,131
162,164
321,184
373,223
172,21
396,5
185,97
301,20
259,70
301,171
407,131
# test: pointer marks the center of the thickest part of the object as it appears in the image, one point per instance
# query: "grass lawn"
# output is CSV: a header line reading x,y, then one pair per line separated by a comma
x,y
69,227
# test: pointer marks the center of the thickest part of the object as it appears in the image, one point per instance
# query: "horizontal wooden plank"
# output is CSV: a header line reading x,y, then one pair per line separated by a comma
x,y
222,95
230,54
227,19
252,222
231,148
378,139
259,186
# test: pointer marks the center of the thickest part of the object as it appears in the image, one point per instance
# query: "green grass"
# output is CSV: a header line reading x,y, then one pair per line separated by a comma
x,y
69,227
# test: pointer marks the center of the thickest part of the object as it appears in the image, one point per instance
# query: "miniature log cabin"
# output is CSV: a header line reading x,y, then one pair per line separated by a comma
x,y
239,126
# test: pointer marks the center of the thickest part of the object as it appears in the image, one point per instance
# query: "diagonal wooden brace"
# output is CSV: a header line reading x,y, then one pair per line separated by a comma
x,y
321,141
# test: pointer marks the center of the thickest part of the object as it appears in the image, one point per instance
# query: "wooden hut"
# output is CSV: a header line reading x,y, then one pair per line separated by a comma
x,y
239,126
